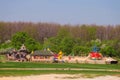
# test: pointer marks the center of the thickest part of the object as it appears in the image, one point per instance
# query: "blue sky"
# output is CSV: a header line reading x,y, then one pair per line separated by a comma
x,y
100,12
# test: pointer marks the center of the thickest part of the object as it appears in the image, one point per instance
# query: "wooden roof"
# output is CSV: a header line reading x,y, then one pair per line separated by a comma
x,y
42,53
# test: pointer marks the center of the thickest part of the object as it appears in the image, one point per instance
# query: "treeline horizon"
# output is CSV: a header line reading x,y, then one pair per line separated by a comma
x,y
39,31
79,36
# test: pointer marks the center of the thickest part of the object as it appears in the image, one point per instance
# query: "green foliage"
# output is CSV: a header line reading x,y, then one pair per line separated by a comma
x,y
77,39
2,59
116,46
92,32
6,44
80,50
62,33
108,48
4,47
108,51
5,50
52,43
19,38
31,44
96,42
23,38
63,41
67,44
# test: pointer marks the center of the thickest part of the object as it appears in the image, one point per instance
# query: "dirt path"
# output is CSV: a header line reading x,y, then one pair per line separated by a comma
x,y
59,77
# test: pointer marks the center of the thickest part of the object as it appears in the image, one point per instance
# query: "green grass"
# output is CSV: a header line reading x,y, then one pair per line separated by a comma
x,y
38,72
57,65
2,58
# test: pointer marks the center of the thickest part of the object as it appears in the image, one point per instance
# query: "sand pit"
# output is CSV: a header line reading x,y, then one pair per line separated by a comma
x,y
59,77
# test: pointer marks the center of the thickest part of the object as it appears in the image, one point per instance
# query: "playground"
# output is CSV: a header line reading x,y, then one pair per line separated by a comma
x,y
46,55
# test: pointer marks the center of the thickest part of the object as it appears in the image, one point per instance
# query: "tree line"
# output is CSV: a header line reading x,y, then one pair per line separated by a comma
x,y
71,39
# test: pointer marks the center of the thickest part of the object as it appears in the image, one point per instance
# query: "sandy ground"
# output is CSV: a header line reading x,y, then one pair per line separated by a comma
x,y
59,77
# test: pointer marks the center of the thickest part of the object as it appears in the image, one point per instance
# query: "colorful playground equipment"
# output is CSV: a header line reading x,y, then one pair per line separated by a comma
x,y
58,57
95,55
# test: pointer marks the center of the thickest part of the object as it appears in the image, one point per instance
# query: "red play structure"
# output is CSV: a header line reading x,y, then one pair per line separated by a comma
x,y
95,55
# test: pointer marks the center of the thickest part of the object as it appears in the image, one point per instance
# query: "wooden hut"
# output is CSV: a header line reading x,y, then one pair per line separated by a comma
x,y
18,55
42,56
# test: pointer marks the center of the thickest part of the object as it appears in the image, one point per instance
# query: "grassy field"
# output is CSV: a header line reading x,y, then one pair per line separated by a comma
x,y
38,72
56,65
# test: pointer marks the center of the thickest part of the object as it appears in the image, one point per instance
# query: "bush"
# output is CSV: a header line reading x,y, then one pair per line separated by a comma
x,y
2,58
23,38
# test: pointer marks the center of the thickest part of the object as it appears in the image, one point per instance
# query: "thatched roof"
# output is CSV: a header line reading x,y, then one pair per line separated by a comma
x,y
9,50
42,53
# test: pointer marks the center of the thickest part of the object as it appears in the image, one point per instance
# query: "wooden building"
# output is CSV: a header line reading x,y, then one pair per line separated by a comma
x,y
42,56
